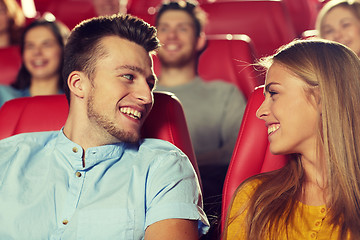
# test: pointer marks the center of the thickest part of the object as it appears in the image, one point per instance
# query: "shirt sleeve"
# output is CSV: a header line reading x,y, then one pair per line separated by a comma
x,y
173,191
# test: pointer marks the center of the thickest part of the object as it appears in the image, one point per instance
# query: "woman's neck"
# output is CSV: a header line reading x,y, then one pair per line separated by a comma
x,y
314,189
44,87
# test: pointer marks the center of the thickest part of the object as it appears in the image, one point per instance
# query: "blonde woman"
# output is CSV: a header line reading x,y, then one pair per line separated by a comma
x,y
339,20
311,109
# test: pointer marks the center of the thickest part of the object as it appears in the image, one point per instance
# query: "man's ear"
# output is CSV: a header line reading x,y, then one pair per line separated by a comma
x,y
201,42
76,83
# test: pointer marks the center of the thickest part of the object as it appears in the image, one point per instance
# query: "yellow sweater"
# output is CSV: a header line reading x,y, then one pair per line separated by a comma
x,y
310,221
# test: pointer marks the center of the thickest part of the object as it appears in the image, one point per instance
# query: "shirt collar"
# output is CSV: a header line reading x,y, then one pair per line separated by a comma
x,y
74,152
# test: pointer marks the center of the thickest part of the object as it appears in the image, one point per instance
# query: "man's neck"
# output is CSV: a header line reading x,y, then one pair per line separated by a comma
x,y
176,76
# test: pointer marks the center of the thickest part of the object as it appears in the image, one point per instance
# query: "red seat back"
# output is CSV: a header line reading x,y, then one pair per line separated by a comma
x,y
229,58
10,62
71,12
266,22
44,113
251,153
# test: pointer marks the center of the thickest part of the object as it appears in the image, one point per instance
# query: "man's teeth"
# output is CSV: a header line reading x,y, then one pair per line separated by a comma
x,y
273,128
131,112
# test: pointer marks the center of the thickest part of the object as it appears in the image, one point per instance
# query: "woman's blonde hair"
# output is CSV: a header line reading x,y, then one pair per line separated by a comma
x,y
352,5
334,70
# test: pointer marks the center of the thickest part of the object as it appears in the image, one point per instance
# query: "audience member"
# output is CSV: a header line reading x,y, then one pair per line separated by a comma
x,y
12,21
42,52
311,109
213,109
339,20
95,179
110,7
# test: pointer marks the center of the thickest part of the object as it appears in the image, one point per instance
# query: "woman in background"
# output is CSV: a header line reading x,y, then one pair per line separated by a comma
x,y
12,22
42,47
311,110
339,21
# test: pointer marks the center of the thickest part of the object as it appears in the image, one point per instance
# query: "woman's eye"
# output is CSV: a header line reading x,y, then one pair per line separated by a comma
x,y
128,76
272,93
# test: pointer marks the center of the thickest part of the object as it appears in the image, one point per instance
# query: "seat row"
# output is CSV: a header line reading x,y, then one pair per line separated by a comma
x,y
269,23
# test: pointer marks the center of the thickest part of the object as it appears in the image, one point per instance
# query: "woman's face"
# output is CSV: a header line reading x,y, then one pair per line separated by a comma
x,y
290,115
42,53
341,25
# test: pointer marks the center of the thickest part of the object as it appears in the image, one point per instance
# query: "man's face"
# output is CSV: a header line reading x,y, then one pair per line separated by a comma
x,y
121,96
176,32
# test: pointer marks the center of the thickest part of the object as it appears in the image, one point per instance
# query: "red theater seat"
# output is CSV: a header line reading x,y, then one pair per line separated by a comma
x,y
303,14
10,62
44,113
267,23
71,12
229,58
251,153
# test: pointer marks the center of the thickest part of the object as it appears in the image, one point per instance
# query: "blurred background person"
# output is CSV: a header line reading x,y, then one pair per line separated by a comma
x,y
12,22
339,20
42,45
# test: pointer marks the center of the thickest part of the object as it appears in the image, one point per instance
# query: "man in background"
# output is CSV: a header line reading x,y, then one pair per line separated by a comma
x,y
213,109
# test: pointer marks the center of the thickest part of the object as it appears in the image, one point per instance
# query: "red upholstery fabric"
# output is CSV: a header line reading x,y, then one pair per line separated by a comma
x,y
303,14
251,154
229,58
44,113
10,62
267,23
71,12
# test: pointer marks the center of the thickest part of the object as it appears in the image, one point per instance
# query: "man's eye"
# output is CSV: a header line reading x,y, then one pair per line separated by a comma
x,y
128,76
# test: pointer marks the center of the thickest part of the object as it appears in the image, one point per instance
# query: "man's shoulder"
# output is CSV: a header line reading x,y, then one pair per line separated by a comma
x,y
157,145
33,138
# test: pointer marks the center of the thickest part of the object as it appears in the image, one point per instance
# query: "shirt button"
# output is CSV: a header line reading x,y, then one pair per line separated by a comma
x,y
78,174
317,223
75,150
313,235
323,210
65,222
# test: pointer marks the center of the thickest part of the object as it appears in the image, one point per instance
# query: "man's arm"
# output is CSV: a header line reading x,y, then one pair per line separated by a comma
x,y
175,229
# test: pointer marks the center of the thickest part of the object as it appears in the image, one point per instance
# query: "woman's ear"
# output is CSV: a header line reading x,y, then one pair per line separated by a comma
x,y
76,83
201,42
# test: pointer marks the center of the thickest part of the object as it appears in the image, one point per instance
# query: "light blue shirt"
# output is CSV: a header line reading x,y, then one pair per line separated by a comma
x,y
46,193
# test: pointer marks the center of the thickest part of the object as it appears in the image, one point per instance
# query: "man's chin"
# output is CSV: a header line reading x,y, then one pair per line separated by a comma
x,y
128,137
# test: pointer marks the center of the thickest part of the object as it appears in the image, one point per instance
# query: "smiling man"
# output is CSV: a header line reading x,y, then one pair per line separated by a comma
x,y
95,178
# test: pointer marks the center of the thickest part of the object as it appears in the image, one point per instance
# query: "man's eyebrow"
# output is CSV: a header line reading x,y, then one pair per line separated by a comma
x,y
138,70
132,68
